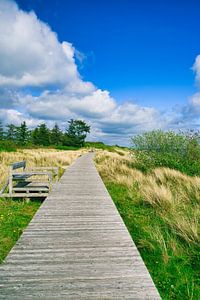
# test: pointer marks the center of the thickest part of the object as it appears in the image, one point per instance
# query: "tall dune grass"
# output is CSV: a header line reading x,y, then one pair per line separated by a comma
x,y
161,209
37,157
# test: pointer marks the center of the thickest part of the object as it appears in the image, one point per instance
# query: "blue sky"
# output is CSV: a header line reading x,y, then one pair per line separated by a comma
x,y
140,52
131,45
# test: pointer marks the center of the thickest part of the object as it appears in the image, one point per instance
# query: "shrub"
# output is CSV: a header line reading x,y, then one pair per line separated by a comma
x,y
179,151
7,146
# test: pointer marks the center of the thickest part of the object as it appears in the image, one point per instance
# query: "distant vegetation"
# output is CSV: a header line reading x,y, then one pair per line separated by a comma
x,y
12,137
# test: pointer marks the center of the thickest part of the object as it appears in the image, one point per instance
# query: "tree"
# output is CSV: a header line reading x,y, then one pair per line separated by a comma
x,y
11,132
76,133
1,131
55,135
44,135
22,134
40,135
35,135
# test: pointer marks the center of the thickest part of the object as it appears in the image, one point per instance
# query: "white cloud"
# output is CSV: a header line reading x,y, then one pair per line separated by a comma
x,y
95,105
98,108
190,114
15,117
194,104
31,54
192,110
196,67
32,57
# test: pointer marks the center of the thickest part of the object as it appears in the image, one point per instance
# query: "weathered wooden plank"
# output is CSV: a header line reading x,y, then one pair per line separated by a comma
x,y
76,247
18,165
31,188
24,195
25,175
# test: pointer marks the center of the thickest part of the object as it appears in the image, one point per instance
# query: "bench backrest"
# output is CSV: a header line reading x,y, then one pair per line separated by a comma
x,y
18,165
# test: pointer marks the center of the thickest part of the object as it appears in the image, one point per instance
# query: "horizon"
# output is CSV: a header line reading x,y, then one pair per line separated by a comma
x,y
124,67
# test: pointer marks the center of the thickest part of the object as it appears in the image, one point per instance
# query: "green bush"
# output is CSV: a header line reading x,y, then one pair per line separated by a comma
x,y
7,146
161,142
180,151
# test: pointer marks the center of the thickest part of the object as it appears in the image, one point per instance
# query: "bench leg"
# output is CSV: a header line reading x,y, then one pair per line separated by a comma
x,y
10,185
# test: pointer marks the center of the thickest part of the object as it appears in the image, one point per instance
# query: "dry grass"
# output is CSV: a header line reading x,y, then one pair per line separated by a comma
x,y
36,157
175,196
161,210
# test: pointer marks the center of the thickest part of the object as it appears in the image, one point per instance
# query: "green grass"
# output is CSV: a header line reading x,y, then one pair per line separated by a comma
x,y
14,217
7,146
60,147
175,273
100,145
173,263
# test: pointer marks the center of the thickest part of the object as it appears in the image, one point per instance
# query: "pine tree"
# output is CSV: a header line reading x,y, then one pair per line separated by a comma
x,y
1,131
76,133
23,134
11,132
41,135
44,135
35,136
55,135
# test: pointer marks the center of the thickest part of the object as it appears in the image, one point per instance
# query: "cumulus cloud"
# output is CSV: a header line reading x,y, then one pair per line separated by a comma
x,y
31,54
196,67
39,80
98,108
190,113
15,117
32,57
193,107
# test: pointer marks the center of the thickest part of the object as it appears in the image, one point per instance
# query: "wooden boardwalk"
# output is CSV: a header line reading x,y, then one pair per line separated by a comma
x,y
76,247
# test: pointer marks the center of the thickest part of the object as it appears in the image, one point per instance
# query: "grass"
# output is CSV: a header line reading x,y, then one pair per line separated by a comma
x,y
100,145
16,214
159,206
37,157
60,147
161,211
14,217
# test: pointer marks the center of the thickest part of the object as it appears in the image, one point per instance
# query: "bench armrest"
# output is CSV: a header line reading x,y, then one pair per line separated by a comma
x,y
25,175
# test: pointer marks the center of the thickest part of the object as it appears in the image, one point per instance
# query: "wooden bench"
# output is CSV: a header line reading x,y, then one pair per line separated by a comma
x,y
32,182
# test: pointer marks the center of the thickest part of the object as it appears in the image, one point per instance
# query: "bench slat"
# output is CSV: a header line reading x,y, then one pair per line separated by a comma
x,y
25,175
25,195
17,165
29,188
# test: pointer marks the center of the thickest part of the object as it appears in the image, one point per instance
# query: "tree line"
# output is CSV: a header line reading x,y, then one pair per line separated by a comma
x,y
74,135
